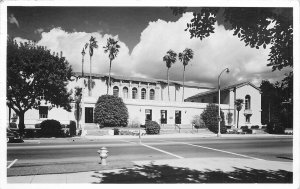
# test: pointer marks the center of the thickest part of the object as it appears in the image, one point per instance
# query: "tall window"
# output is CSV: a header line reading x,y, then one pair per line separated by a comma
x,y
247,102
143,93
134,93
125,92
152,94
163,116
148,115
116,91
43,111
177,117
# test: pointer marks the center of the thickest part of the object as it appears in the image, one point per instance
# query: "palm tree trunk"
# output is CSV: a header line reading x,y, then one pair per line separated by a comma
x,y
168,84
108,84
183,84
238,119
90,81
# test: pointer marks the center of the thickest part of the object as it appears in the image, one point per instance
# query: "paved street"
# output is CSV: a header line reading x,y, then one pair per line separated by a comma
x,y
78,155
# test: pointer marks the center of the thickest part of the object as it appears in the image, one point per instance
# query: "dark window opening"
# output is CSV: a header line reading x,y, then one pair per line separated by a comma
x,y
43,111
177,117
163,116
148,115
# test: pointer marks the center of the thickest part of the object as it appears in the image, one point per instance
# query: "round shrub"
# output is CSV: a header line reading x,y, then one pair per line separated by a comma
x,y
152,128
51,128
197,122
110,111
72,127
210,118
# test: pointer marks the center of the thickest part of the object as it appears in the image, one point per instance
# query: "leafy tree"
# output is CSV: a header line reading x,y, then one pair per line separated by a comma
x,y
210,117
277,104
238,105
112,48
92,45
32,72
169,58
185,57
251,25
110,111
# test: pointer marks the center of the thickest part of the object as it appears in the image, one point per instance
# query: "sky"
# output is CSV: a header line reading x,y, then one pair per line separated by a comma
x,y
145,34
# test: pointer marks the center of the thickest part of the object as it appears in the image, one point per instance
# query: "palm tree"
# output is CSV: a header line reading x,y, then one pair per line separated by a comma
x,y
112,48
185,57
169,58
92,45
238,105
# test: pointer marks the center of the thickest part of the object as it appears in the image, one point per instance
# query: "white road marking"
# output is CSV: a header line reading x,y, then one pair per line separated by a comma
x,y
11,164
180,157
128,141
220,151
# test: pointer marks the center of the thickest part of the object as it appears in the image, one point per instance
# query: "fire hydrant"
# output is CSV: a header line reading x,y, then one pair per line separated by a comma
x,y
103,154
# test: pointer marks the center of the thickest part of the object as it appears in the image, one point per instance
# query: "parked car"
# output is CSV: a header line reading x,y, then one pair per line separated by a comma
x,y
13,136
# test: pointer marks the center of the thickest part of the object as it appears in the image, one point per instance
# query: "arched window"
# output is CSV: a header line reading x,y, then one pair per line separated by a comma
x,y
125,92
116,91
152,94
247,102
143,93
134,93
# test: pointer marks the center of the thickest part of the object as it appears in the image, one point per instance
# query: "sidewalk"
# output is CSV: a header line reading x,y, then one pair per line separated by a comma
x,y
207,170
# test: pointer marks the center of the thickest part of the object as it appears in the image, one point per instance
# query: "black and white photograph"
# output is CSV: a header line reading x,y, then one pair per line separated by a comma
x,y
150,93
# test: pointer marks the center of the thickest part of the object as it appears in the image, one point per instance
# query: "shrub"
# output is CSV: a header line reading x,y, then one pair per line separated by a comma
x,y
110,111
32,133
72,127
229,117
255,127
51,128
37,125
13,125
152,128
210,118
198,122
116,131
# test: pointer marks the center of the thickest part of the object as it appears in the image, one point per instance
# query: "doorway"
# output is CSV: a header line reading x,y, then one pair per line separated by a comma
x,y
89,115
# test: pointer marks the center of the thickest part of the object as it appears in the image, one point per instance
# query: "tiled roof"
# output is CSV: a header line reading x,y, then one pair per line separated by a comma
x,y
150,80
238,85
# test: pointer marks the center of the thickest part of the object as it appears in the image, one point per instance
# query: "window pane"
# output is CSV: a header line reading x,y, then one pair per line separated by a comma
x,y
152,94
148,115
125,92
143,95
163,116
134,93
116,91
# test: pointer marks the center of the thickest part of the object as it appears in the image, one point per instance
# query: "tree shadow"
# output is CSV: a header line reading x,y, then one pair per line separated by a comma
x,y
167,174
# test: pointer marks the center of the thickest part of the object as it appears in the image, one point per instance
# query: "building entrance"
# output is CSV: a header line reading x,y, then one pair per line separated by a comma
x,y
89,115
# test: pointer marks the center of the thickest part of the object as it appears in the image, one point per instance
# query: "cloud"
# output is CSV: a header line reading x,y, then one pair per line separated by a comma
x,y
12,19
211,55
38,31
71,44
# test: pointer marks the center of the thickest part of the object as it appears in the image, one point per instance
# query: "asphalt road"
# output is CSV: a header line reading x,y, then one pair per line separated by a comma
x,y
61,156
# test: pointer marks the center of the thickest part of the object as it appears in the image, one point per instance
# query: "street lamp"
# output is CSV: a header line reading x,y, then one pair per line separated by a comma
x,y
219,115
83,53
82,100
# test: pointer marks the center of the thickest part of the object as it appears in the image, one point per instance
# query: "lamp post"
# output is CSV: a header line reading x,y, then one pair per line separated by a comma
x,y
219,114
82,100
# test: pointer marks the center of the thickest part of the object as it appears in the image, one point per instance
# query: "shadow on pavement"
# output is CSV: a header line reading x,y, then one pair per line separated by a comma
x,y
167,174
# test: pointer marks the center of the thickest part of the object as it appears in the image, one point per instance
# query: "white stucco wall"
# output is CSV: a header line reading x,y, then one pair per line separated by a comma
x,y
255,95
